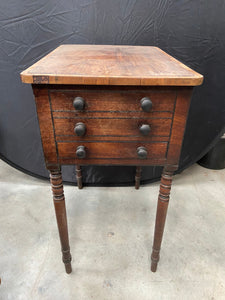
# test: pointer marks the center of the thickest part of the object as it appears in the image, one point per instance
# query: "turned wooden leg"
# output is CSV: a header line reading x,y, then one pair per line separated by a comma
x,y
60,212
79,177
137,177
163,201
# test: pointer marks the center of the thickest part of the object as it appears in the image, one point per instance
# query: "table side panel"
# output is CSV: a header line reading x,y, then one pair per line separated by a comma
x,y
46,127
178,125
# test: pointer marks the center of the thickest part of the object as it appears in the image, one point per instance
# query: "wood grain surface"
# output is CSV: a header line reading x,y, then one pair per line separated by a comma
x,y
113,161
179,124
111,117
113,127
155,138
46,127
113,150
113,101
110,65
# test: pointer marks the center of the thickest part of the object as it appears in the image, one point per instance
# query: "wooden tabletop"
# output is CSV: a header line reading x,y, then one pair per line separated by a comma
x,y
110,65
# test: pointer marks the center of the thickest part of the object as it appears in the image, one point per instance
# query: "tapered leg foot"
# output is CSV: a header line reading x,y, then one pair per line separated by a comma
x,y
137,177
163,201
60,212
79,177
155,259
68,268
67,261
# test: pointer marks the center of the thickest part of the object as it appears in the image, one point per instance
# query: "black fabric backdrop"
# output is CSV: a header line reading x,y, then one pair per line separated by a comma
x,y
191,31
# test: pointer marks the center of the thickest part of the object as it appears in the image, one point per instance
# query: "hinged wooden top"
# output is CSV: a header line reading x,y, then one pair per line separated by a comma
x,y
110,65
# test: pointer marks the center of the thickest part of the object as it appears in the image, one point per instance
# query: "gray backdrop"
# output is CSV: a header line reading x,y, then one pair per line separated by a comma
x,y
191,31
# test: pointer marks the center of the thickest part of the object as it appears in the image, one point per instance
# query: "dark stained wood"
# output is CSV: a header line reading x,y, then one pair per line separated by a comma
x,y
79,176
117,150
110,65
113,100
113,161
137,177
112,80
60,212
46,127
150,138
178,127
163,201
113,127
112,115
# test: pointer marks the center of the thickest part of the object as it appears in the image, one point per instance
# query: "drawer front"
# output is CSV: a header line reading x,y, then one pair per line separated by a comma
x,y
113,101
112,119
112,127
112,150
112,122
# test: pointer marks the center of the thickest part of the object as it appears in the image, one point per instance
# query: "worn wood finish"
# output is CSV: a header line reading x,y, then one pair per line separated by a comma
x,y
112,115
111,81
113,127
111,150
137,177
73,137
60,211
113,161
163,201
179,124
110,100
79,176
110,65
46,127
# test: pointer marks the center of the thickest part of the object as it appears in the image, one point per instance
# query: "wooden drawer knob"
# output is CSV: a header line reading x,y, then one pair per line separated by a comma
x,y
80,129
145,129
142,152
146,104
81,153
78,103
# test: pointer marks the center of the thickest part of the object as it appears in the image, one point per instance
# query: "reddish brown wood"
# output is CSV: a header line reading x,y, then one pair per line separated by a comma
x,y
110,65
112,114
60,211
178,127
113,161
163,201
65,137
46,126
113,150
137,177
112,80
79,176
113,127
105,99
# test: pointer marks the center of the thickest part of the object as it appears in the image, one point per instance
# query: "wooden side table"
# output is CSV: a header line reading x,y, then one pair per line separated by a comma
x,y
111,105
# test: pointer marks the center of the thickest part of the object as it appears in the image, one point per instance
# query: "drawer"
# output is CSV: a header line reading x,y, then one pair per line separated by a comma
x,y
121,127
113,101
112,150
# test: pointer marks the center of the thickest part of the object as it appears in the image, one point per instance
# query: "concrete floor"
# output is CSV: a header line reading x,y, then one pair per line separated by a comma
x,y
111,232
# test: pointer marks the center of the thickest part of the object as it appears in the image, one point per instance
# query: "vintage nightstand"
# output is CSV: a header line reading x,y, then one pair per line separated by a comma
x,y
111,105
